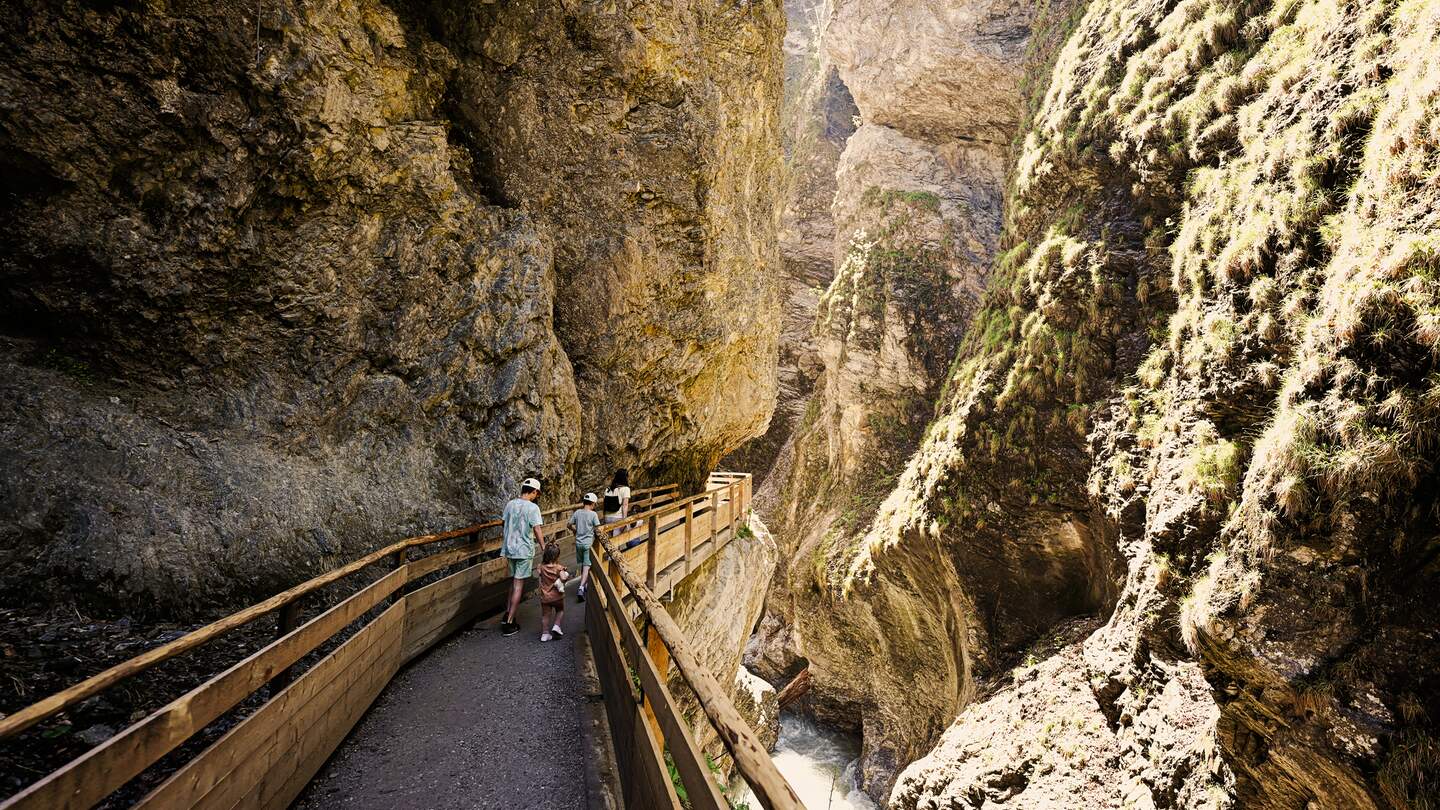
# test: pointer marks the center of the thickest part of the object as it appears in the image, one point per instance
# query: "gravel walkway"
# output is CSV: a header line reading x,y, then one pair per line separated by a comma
x,y
481,721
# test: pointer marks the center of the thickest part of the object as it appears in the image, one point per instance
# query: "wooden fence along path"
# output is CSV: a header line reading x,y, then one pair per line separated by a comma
x,y
426,588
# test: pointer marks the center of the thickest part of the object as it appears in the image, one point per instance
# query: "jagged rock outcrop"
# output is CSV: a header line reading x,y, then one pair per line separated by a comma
x,y
817,117
286,280
717,609
917,213
1199,403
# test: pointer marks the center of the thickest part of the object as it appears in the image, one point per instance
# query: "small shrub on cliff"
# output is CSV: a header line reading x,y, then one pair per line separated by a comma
x,y
1214,468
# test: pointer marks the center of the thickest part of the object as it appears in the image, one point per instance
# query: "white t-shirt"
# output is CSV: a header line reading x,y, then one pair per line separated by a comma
x,y
623,493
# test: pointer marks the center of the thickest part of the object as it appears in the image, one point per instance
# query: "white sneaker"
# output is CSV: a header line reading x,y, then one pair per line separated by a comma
x,y
545,637
557,631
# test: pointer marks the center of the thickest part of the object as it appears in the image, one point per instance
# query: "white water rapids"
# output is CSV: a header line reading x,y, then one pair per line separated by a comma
x,y
819,763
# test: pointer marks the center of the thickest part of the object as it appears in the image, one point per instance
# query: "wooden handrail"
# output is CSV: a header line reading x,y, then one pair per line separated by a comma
x,y
13,724
662,510
58,702
751,758
274,751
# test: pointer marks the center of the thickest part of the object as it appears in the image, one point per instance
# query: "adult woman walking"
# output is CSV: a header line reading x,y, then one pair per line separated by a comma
x,y
617,499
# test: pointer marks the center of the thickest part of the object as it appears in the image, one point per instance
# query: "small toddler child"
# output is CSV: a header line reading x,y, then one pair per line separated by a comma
x,y
552,575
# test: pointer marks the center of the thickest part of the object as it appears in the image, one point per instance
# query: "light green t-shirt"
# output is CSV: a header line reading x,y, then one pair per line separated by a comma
x,y
584,521
520,517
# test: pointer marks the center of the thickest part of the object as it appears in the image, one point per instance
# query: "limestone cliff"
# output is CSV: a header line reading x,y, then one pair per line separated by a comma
x,y
282,281
817,117
1199,403
917,214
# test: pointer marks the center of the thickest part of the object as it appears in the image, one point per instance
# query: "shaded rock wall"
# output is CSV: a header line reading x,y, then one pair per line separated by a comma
x,y
278,289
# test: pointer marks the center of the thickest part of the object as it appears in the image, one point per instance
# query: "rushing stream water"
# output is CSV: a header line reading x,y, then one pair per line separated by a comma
x,y
819,764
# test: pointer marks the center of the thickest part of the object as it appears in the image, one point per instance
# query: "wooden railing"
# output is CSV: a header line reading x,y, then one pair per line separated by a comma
x,y
266,758
645,724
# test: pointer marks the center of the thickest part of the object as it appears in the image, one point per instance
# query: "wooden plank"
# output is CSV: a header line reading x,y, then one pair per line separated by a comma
x,y
659,658
689,533
279,757
197,779
671,726
616,688
319,741
645,777
258,781
434,562
751,758
636,556
652,550
441,608
92,776
670,546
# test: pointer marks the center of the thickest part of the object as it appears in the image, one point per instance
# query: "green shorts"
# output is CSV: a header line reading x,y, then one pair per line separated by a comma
x,y
521,567
582,556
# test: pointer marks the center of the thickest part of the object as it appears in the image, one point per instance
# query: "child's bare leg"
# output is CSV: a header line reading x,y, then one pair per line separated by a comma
x,y
545,612
584,576
559,618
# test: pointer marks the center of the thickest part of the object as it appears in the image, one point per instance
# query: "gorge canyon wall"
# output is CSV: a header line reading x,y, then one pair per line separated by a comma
x,y
284,281
1169,536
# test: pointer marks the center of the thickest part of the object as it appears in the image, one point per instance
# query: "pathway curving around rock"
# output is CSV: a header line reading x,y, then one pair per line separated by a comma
x,y
482,722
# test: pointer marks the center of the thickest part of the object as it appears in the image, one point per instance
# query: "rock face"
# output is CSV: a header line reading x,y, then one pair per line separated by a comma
x,y
917,219
759,703
1197,403
817,117
281,288
717,609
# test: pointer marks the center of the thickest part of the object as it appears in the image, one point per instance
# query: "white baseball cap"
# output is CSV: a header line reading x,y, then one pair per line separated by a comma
x,y
590,498
531,483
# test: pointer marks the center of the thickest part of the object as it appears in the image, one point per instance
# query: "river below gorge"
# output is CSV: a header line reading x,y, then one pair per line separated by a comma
x,y
819,763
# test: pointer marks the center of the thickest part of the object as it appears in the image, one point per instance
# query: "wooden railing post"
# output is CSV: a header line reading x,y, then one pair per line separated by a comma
x,y
689,533
752,760
397,561
734,509
652,552
611,566
286,620
658,654
714,519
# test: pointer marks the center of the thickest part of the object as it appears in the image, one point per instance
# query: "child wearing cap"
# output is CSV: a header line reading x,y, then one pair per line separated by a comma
x,y
584,522
521,535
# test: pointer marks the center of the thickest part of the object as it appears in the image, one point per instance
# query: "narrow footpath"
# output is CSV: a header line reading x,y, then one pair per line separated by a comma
x,y
482,722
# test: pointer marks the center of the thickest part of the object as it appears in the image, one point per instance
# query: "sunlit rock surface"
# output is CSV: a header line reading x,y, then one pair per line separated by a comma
x,y
1196,406
917,219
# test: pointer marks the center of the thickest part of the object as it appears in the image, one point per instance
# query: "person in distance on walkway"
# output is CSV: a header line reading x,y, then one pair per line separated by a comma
x,y
521,535
583,522
552,576
617,499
